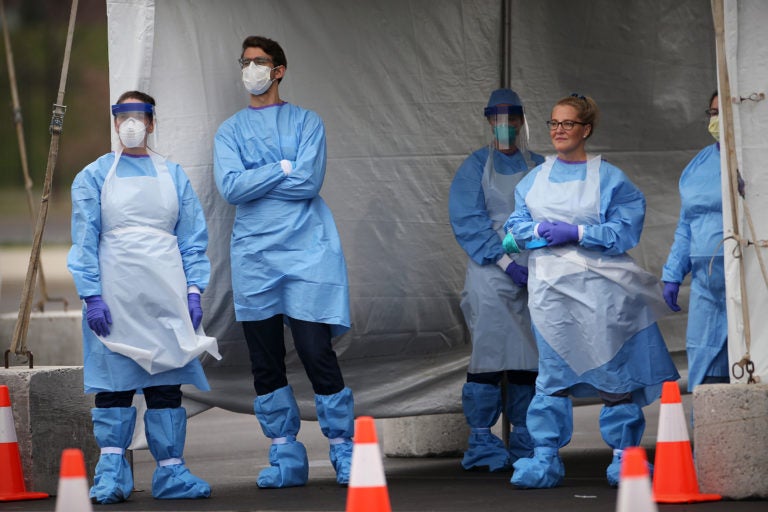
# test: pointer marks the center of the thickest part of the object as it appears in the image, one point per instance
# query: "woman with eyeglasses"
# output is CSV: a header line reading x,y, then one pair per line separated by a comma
x,y
696,249
593,309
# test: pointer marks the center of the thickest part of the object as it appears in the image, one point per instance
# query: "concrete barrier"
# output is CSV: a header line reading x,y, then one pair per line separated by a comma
x,y
50,413
55,338
439,435
729,433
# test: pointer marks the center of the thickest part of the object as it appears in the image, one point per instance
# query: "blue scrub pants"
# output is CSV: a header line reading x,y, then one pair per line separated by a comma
x,y
266,345
157,397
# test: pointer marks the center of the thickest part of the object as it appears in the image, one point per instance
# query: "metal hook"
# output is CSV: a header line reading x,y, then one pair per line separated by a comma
x,y
755,96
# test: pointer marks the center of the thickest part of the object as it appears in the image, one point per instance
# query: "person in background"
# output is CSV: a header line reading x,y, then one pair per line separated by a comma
x,y
494,299
138,259
287,263
697,249
593,309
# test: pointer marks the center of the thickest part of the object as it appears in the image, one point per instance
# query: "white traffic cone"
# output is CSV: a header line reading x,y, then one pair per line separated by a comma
x,y
72,494
367,491
635,483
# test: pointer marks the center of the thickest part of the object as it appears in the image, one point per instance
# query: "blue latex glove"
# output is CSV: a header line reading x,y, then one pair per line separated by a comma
x,y
670,295
195,309
97,315
558,233
518,273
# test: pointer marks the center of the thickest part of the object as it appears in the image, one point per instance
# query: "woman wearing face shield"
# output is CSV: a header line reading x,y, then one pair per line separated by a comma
x,y
593,309
138,261
697,249
494,299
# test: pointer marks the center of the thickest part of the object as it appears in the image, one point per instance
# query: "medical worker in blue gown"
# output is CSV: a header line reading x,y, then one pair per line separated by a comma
x,y
593,309
495,300
287,263
697,249
138,261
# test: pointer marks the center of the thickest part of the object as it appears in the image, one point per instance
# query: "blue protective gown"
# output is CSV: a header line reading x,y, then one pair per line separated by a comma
x,y
494,307
105,370
642,363
286,254
697,243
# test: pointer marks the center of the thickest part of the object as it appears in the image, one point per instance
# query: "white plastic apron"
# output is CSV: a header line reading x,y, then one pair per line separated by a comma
x,y
142,275
585,304
494,306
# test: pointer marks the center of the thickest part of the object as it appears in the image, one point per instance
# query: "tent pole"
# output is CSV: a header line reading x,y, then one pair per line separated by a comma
x,y
726,110
506,28
19,342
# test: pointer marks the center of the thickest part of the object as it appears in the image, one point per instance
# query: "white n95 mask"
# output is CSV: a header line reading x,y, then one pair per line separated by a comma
x,y
256,78
132,132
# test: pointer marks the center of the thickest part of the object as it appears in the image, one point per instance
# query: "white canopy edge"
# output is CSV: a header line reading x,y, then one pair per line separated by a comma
x,y
747,71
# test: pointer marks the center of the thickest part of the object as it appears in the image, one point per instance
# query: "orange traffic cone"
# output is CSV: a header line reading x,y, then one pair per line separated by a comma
x,y
12,486
635,484
72,494
674,475
367,486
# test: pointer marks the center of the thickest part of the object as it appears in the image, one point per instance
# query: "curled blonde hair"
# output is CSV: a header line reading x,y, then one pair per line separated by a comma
x,y
585,106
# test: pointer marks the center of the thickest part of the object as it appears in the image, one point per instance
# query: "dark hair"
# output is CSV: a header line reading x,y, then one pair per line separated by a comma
x,y
585,106
714,95
270,47
138,95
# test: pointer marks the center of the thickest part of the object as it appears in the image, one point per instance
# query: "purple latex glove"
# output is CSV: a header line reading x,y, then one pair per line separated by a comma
x,y
518,273
670,295
558,233
195,309
97,315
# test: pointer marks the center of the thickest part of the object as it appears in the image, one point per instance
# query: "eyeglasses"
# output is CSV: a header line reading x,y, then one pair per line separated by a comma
x,y
712,112
259,61
567,125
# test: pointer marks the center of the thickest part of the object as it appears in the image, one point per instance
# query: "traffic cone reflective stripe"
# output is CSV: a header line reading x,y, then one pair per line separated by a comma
x,y
674,474
635,484
367,490
12,487
72,494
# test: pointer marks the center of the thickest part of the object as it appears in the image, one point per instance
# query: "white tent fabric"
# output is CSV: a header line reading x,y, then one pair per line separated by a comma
x,y
401,85
747,69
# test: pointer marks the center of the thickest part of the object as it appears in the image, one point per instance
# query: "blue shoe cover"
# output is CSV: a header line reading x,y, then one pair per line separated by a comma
x,y
336,416
520,444
112,428
485,450
289,466
341,458
177,482
543,471
613,471
166,431
113,482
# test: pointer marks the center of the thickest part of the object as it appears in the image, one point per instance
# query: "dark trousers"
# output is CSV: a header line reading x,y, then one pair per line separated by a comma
x,y
157,397
266,345
520,377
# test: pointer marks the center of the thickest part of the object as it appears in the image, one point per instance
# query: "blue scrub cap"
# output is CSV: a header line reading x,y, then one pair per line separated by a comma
x,y
500,96
133,107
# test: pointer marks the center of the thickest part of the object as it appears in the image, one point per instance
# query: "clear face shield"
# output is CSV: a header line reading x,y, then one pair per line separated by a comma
x,y
507,125
509,129
132,121
140,111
